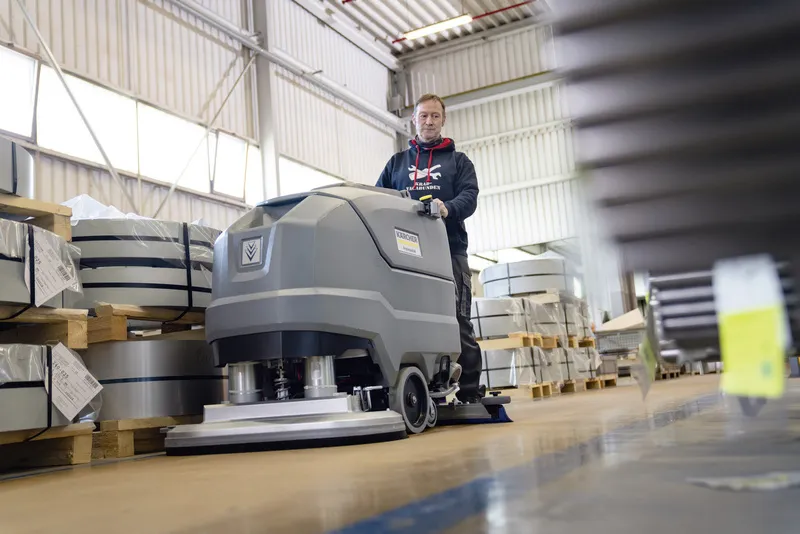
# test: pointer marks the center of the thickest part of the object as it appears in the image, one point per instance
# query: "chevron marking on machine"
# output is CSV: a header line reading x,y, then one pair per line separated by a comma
x,y
251,251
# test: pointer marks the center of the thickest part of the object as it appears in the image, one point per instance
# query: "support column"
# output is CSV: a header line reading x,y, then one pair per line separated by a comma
x,y
265,90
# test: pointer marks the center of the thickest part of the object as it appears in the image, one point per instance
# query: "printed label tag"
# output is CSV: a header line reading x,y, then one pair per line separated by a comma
x,y
52,274
73,385
407,243
753,326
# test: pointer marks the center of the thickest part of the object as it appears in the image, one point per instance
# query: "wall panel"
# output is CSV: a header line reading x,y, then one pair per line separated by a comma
x,y
300,34
328,134
522,148
533,215
508,57
58,180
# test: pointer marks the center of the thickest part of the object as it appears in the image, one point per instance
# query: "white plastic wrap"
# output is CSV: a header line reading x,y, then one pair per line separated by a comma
x,y
544,319
27,363
497,317
14,246
120,250
507,368
546,365
86,207
584,363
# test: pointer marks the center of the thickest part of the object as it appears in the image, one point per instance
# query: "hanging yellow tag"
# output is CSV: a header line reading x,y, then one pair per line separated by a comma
x,y
752,352
753,326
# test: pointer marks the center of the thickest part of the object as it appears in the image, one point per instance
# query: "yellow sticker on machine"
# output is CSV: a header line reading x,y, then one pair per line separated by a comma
x,y
407,242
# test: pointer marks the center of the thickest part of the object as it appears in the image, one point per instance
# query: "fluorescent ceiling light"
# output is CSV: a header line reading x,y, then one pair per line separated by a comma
x,y
438,27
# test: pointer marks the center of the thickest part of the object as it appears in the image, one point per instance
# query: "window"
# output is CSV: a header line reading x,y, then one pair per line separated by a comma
x,y
17,92
166,144
577,288
113,118
254,182
138,138
510,255
231,166
298,178
476,263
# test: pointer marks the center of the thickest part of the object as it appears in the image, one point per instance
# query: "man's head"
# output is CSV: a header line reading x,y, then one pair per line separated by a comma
x,y
429,117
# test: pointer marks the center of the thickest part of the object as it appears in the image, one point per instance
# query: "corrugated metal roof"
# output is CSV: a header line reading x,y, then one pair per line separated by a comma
x,y
387,20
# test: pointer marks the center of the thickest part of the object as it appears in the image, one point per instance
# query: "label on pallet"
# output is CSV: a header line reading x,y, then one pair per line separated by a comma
x,y
51,274
753,326
73,385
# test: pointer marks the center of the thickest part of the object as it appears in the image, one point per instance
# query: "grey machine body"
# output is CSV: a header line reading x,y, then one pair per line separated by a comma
x,y
349,286
331,276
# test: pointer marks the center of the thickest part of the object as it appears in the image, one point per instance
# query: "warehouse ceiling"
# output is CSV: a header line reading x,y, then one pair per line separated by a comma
x,y
387,20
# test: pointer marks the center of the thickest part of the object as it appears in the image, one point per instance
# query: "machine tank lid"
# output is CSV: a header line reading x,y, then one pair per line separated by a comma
x,y
297,197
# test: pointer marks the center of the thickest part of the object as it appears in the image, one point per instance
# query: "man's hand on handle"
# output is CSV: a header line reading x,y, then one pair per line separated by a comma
x,y
442,208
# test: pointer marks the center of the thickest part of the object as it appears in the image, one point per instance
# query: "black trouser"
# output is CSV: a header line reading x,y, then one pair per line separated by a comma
x,y
470,359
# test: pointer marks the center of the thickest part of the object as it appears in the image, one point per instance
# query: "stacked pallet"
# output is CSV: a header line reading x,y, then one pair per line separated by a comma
x,y
537,340
38,269
147,285
22,321
64,445
160,343
46,392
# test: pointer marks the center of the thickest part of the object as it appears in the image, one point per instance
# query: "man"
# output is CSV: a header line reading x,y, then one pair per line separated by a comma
x,y
431,166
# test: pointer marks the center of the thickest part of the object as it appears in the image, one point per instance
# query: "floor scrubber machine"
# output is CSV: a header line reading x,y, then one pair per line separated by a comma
x,y
334,311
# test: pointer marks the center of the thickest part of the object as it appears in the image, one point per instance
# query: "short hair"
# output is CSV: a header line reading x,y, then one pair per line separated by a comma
x,y
427,98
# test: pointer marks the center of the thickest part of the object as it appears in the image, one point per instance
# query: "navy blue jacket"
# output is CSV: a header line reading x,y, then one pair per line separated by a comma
x,y
442,172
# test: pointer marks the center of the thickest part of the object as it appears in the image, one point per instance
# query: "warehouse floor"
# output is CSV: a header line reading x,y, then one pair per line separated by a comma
x,y
599,461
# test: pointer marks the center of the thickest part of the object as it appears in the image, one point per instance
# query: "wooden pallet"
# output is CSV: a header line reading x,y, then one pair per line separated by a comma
x,y
127,437
515,340
609,381
666,375
587,342
601,382
40,326
111,321
574,386
554,342
542,391
66,445
52,217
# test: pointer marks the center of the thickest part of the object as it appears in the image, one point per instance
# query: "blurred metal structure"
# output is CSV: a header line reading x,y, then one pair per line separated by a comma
x,y
686,123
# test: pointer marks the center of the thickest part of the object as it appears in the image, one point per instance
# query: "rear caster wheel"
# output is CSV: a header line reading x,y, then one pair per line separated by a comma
x,y
433,413
410,399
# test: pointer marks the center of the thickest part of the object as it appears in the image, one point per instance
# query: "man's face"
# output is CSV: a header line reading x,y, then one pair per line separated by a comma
x,y
429,120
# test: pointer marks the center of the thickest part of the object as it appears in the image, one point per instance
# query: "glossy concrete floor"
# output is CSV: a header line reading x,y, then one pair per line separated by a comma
x,y
601,461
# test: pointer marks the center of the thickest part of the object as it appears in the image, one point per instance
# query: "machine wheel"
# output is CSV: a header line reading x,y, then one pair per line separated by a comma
x,y
410,399
433,413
